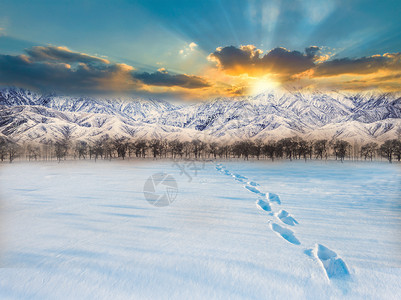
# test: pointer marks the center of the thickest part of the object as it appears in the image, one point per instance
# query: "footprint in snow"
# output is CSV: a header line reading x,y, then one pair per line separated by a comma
x,y
286,218
223,170
238,176
254,190
274,198
285,233
334,266
263,205
252,183
227,172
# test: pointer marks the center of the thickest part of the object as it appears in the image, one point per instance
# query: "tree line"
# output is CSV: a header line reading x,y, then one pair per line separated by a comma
x,y
106,147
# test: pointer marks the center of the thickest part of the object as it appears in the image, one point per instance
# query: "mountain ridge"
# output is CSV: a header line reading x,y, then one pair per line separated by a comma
x,y
361,117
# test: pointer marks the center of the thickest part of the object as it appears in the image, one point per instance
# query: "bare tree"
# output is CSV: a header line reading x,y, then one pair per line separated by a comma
x,y
105,147
140,148
130,148
369,150
176,148
224,151
288,147
187,148
269,149
257,148
397,149
47,149
3,148
61,149
154,145
386,150
197,147
81,149
163,148
390,148
341,148
320,148
121,146
62,145
32,151
97,149
213,149
303,148
13,150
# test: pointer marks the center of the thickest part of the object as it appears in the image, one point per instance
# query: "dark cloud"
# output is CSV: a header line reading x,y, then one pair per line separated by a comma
x,y
312,51
21,70
311,64
281,60
363,65
163,78
60,69
53,53
249,59
229,57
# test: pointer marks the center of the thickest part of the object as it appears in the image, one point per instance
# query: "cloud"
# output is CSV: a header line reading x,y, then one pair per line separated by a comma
x,y
237,90
312,51
363,65
163,78
191,47
61,69
53,53
249,60
237,71
314,66
24,71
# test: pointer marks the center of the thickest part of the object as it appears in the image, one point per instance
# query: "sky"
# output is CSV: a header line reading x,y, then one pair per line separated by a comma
x,y
200,49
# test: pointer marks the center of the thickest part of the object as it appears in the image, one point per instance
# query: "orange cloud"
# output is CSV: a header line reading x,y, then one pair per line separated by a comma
x,y
314,68
232,71
278,61
59,53
61,69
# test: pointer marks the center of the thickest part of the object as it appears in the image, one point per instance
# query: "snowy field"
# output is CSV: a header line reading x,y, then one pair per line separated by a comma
x,y
236,230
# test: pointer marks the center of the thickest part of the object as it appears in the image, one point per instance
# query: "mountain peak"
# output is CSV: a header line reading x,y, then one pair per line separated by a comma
x,y
271,114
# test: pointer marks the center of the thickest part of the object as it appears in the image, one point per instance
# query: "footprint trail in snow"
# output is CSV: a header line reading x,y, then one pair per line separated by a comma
x,y
264,203
333,266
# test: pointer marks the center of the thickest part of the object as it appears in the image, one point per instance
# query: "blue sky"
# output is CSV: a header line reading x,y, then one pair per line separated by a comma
x,y
154,34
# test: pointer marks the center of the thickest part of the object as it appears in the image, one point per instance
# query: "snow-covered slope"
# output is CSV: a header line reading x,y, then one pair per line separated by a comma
x,y
237,230
25,115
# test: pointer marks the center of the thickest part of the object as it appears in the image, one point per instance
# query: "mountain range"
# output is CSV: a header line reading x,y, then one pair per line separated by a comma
x,y
356,117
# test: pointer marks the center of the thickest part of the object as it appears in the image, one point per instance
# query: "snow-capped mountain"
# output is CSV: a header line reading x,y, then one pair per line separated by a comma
x,y
28,116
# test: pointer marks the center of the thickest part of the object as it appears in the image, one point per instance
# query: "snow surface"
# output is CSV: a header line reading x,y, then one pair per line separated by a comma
x,y
237,230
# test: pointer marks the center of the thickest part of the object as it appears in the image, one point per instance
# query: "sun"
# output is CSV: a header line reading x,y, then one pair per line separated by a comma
x,y
261,85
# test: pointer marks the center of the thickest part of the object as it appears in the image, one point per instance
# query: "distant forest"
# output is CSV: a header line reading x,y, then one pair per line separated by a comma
x,y
105,147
